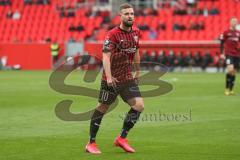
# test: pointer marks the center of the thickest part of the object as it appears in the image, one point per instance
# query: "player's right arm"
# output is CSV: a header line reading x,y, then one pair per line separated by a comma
x,y
222,40
107,48
111,81
107,66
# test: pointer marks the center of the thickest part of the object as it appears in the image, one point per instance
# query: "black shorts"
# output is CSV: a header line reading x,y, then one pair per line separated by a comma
x,y
127,91
234,61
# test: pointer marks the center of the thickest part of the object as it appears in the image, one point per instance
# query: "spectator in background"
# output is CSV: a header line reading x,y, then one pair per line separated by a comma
x,y
162,58
45,39
71,40
193,26
205,12
165,3
16,15
5,2
4,66
190,11
201,25
178,27
161,26
171,60
48,39
197,59
70,12
180,7
9,14
150,12
191,3
54,52
199,11
106,19
42,2
62,12
145,59
152,35
196,26
96,13
103,2
153,58
178,61
105,14
214,11
138,12
145,56
71,28
79,27
207,60
1,65
46,2
39,1
154,12
188,60
26,2
3,62
143,27
88,13
81,1
180,12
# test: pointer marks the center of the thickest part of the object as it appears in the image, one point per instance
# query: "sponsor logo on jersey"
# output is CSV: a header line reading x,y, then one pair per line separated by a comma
x,y
233,38
130,50
136,38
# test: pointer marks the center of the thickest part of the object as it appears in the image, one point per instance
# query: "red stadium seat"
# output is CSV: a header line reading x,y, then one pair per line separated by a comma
x,y
38,21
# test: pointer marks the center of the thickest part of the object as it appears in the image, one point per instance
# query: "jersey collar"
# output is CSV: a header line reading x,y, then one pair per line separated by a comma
x,y
124,30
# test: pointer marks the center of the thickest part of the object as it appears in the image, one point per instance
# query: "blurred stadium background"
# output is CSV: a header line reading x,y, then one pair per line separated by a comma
x,y
177,33
38,35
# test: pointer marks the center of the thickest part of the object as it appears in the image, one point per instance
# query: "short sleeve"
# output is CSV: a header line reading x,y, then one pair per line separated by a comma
x,y
238,36
222,37
109,43
139,35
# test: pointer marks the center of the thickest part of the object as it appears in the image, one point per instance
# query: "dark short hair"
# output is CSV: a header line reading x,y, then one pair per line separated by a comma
x,y
125,6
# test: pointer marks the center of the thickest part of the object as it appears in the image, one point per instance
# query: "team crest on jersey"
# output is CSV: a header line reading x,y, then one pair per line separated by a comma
x,y
136,38
107,42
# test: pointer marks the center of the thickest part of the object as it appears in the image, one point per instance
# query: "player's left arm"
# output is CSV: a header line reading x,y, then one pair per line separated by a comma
x,y
137,64
238,47
222,39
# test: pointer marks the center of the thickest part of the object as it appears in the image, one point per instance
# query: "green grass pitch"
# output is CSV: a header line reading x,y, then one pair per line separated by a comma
x,y
29,129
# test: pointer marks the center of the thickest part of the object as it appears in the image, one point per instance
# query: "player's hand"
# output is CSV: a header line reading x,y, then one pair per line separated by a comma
x,y
112,81
222,56
136,76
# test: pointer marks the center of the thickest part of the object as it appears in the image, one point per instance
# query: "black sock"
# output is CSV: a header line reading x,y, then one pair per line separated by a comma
x,y
232,82
95,124
130,119
228,80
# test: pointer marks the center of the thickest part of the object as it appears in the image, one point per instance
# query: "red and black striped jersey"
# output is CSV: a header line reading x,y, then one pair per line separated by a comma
x,y
123,46
231,40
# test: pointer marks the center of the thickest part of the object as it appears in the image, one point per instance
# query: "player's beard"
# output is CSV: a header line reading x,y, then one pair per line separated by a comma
x,y
128,23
